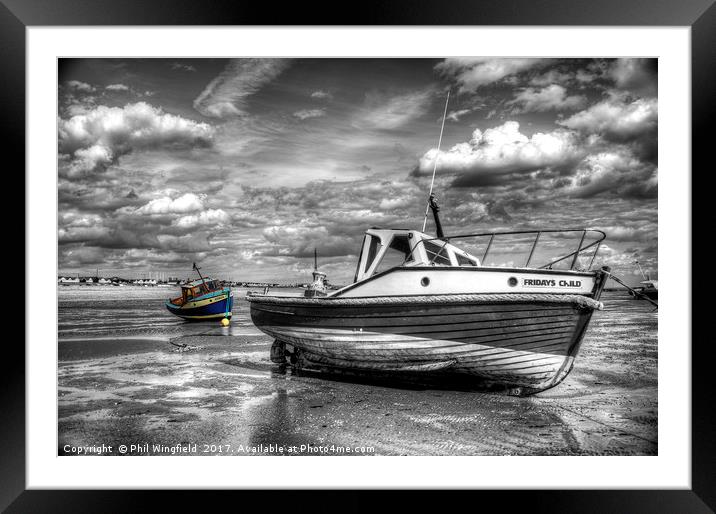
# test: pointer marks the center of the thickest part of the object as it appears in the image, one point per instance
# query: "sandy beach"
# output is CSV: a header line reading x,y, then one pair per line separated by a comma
x,y
158,386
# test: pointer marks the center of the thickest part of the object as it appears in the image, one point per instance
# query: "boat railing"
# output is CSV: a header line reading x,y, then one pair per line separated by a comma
x,y
582,247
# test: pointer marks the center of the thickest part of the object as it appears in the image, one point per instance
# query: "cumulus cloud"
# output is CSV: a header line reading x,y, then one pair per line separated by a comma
x,y
616,117
80,234
552,76
626,233
188,243
211,217
635,75
393,112
76,97
75,106
186,203
227,94
87,160
306,114
551,98
616,258
177,223
647,188
161,208
616,171
117,87
80,86
97,138
300,241
123,237
83,255
321,95
503,150
182,66
621,120
399,202
456,115
472,73
78,219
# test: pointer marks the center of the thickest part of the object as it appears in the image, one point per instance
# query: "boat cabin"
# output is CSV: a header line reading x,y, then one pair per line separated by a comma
x,y
195,289
384,249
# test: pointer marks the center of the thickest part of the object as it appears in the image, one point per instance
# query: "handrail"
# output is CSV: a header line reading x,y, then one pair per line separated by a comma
x,y
574,254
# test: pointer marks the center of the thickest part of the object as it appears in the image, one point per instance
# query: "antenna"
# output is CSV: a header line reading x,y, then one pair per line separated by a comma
x,y
645,277
315,260
435,166
197,268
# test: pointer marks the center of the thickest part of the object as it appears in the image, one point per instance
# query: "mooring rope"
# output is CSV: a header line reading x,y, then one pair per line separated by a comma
x,y
633,291
579,300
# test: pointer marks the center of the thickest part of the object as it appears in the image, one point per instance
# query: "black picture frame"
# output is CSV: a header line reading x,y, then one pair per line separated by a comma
x,y
700,15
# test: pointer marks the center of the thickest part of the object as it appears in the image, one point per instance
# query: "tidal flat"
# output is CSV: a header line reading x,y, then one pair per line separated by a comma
x,y
130,374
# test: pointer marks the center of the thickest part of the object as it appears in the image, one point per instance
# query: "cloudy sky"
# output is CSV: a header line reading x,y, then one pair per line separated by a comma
x,y
246,165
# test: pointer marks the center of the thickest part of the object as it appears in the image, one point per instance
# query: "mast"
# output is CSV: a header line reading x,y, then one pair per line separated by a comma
x,y
315,260
199,272
435,167
645,277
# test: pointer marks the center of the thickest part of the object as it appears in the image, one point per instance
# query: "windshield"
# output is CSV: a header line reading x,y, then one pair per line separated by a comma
x,y
437,254
373,245
397,253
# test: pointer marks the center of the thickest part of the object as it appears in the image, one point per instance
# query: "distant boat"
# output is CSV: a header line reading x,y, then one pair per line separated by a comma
x,y
649,288
202,299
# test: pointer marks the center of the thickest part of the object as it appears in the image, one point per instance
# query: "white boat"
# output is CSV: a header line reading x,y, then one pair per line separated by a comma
x,y
422,304
648,289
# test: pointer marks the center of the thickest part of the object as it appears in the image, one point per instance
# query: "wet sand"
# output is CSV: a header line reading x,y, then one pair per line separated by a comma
x,y
221,393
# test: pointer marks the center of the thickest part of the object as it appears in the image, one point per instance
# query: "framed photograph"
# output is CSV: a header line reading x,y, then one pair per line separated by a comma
x,y
431,241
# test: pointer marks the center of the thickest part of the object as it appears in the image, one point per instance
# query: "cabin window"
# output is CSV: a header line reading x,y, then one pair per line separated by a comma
x,y
397,253
369,249
372,251
437,254
360,258
462,260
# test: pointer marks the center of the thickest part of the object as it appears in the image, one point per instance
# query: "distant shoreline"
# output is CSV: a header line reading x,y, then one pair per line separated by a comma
x,y
162,284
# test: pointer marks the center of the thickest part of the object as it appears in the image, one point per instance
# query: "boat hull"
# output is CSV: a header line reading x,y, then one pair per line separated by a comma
x,y
520,340
214,306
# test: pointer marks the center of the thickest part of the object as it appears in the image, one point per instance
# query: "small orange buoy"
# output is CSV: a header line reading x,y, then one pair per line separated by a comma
x,y
225,322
